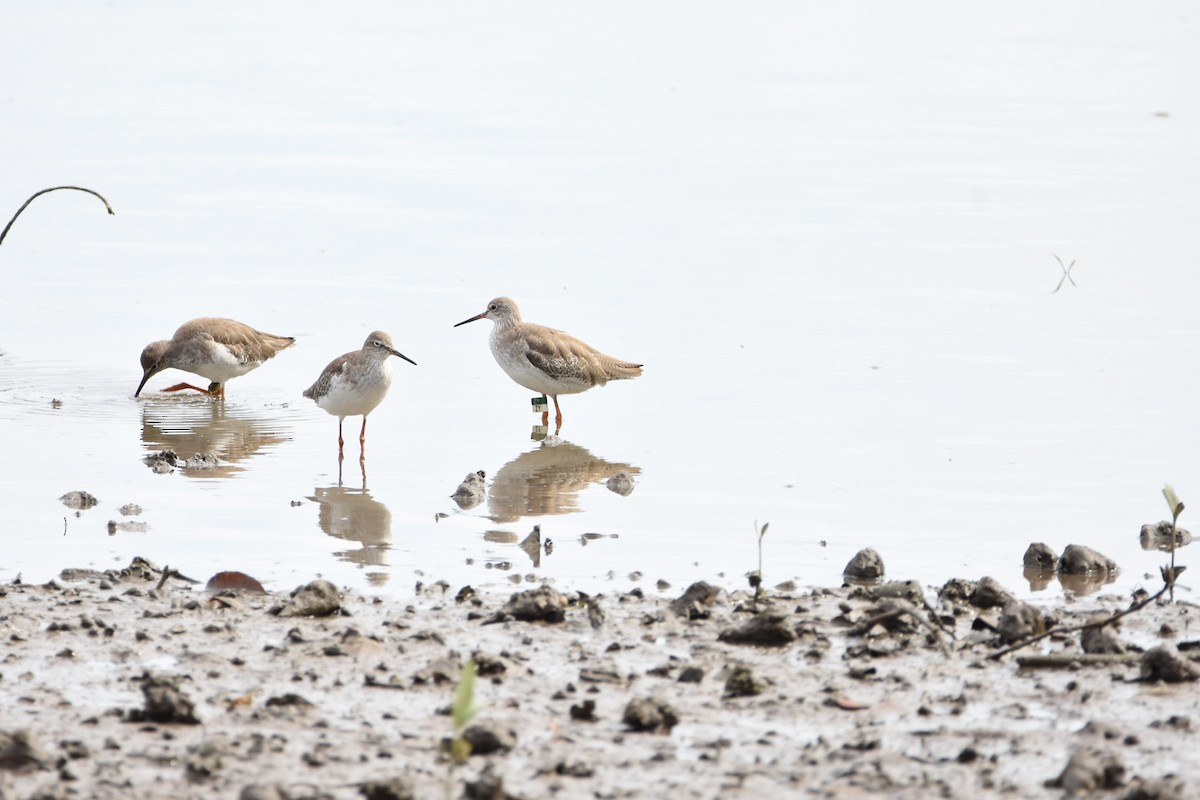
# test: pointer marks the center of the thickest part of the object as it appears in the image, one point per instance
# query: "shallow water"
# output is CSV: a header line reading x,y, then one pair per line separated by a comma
x,y
828,232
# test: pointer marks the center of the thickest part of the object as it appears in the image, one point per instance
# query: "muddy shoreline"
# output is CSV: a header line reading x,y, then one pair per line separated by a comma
x,y
116,687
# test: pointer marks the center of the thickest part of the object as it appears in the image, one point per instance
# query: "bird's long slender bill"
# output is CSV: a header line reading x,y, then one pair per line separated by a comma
x,y
142,385
398,353
472,319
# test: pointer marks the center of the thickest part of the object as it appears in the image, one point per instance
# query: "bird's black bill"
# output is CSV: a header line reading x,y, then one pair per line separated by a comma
x,y
406,358
472,319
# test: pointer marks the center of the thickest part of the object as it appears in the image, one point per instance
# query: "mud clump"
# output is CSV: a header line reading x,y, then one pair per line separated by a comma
x,y
696,601
543,604
648,715
1021,621
20,752
1159,536
1078,559
79,501
768,629
1089,771
164,702
316,708
394,789
314,599
956,591
1163,663
620,484
866,565
1164,789
1101,639
471,492
165,461
989,593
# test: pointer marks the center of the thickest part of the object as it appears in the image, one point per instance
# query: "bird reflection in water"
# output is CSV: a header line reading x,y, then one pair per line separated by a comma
x,y
192,427
547,480
353,515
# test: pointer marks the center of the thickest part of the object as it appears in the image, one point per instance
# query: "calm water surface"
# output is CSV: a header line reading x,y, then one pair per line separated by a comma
x,y
828,232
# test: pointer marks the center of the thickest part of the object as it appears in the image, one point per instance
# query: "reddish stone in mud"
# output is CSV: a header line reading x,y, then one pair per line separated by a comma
x,y
236,581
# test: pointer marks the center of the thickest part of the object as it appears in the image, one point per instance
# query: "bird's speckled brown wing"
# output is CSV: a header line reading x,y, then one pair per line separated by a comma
x,y
333,370
246,344
565,358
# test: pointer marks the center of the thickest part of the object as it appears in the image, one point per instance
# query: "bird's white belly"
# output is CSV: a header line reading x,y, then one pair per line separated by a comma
x,y
347,398
222,366
518,367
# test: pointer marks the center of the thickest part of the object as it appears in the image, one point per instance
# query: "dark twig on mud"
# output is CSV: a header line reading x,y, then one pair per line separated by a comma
x,y
933,615
1075,628
43,191
1068,660
167,573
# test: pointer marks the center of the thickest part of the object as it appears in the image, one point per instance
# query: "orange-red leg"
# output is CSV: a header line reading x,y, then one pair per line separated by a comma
x,y
557,412
181,386
214,389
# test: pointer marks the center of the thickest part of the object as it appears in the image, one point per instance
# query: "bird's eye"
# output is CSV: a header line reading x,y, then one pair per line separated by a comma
x,y
492,307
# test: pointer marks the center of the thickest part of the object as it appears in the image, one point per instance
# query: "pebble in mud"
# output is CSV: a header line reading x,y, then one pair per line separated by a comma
x,y
486,738
648,715
620,483
1078,559
1040,556
471,492
79,500
742,682
866,565
990,594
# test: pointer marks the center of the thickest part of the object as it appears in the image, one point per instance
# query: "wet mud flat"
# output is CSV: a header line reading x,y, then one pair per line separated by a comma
x,y
123,685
